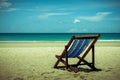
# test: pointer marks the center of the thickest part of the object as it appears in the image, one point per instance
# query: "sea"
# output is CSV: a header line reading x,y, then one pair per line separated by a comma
x,y
33,37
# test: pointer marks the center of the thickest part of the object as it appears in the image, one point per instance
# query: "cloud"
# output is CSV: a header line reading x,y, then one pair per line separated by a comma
x,y
98,17
17,9
4,4
103,13
46,15
116,19
76,21
73,30
11,9
76,30
65,9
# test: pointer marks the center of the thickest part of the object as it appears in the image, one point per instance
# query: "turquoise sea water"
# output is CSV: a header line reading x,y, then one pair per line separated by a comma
x,y
52,36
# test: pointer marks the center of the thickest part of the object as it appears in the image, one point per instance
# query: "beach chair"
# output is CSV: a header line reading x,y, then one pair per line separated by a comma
x,y
76,46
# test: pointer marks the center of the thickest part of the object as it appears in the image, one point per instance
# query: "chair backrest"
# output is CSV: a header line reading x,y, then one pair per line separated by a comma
x,y
77,47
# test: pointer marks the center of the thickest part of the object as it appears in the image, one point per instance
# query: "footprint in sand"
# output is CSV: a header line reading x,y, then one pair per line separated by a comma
x,y
47,73
83,77
76,75
107,70
18,78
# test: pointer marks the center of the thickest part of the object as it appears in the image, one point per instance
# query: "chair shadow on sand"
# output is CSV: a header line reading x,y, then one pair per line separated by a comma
x,y
80,69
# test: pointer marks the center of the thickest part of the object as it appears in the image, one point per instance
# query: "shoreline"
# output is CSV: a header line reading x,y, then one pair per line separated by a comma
x,y
56,41
99,43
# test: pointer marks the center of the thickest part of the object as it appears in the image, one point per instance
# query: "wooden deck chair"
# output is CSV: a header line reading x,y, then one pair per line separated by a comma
x,y
76,46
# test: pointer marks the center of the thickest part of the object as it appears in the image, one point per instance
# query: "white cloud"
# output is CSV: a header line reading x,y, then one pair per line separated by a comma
x,y
11,9
76,21
73,30
103,13
46,15
98,17
4,4
117,19
64,9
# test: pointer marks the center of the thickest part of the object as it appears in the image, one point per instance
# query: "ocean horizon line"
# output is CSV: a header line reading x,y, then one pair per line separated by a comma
x,y
66,33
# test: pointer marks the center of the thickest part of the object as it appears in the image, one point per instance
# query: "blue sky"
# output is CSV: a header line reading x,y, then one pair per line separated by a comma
x,y
59,16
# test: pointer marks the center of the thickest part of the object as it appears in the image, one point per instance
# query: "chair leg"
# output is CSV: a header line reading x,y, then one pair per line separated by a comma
x,y
66,62
93,56
57,62
61,60
81,59
55,66
66,57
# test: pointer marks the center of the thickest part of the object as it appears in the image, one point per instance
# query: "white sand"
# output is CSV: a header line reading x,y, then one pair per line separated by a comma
x,y
36,63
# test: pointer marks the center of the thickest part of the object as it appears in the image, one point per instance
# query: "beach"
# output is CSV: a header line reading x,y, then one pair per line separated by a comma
x,y
35,61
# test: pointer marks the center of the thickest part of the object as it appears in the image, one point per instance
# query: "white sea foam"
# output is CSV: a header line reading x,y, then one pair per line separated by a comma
x,y
52,41
29,41
109,40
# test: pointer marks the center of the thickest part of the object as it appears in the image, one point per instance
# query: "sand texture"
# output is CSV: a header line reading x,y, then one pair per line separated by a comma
x,y
35,61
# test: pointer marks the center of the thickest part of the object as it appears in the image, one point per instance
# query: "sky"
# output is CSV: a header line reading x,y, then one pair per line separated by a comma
x,y
59,16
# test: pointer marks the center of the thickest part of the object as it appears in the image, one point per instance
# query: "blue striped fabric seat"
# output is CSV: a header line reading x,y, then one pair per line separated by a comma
x,y
77,47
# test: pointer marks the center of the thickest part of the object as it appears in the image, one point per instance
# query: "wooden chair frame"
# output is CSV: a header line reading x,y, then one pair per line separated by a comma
x,y
81,59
